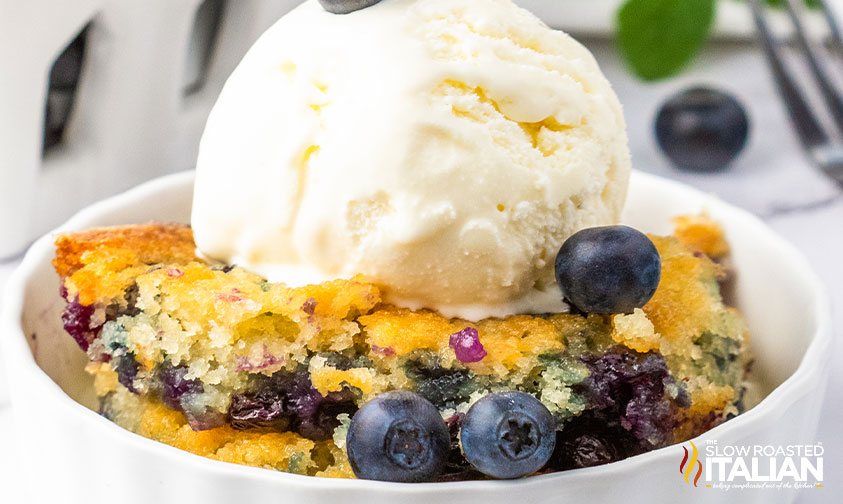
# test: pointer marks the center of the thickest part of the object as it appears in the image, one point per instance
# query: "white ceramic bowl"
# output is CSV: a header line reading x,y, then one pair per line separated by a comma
x,y
71,454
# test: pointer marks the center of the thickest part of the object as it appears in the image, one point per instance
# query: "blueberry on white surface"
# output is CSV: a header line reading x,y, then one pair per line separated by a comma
x,y
508,435
702,129
346,6
398,436
611,269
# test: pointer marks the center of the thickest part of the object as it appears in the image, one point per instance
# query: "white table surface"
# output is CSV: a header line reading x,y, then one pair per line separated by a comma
x,y
771,179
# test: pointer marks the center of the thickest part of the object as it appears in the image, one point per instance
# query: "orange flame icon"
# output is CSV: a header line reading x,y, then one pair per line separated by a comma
x,y
690,464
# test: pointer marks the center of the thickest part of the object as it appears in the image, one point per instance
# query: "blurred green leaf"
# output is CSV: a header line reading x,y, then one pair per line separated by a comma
x,y
659,37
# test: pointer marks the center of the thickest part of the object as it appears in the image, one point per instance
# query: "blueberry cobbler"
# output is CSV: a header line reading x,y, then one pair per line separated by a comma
x,y
404,264
328,380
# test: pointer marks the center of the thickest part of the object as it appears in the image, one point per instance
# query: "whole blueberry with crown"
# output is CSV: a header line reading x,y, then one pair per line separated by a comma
x,y
398,436
508,435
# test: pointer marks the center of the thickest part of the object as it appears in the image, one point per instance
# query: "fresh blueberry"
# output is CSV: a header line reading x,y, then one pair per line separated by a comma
x,y
346,6
398,436
702,129
611,269
508,435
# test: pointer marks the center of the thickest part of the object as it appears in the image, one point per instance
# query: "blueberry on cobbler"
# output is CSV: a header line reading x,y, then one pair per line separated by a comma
x,y
508,435
398,436
610,269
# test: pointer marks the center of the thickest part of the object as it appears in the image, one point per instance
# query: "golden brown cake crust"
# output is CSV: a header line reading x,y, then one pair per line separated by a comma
x,y
155,242
702,233
102,261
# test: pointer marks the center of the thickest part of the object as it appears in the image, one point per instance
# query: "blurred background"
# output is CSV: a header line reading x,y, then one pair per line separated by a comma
x,y
99,95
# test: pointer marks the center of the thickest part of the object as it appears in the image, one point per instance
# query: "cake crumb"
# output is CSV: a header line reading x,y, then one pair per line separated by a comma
x,y
635,331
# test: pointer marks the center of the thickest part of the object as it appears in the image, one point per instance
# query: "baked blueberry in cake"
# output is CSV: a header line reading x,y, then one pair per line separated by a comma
x,y
215,360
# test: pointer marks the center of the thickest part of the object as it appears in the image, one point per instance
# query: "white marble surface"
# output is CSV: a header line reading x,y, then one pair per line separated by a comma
x,y
771,179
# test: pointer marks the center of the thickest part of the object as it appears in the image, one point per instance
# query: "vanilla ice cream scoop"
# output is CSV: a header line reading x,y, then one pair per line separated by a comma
x,y
443,148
